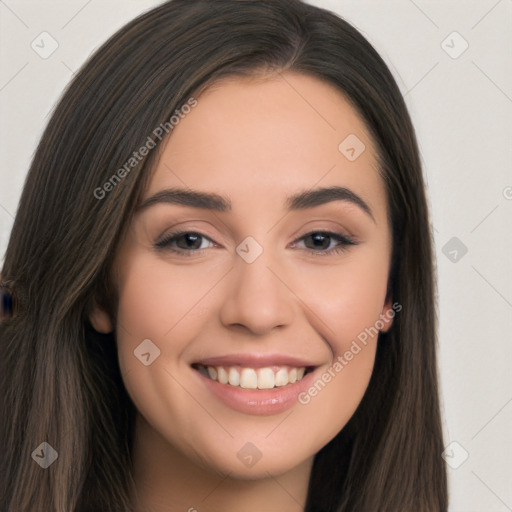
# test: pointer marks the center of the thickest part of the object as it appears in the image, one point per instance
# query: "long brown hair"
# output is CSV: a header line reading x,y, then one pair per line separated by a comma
x,y
60,380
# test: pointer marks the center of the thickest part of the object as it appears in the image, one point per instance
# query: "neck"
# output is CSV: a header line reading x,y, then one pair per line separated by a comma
x,y
167,481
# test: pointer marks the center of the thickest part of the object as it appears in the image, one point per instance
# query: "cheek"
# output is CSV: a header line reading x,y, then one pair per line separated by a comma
x,y
334,395
344,303
158,313
161,308
347,298
159,301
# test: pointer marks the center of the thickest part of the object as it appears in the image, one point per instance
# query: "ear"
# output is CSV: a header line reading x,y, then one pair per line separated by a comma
x,y
387,314
100,320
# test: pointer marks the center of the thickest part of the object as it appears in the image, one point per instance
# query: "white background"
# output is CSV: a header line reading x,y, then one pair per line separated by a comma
x,y
462,111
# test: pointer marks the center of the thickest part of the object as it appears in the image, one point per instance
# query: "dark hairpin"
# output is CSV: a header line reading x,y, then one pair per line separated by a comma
x,y
7,301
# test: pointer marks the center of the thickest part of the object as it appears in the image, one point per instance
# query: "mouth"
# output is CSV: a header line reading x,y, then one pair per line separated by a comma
x,y
268,377
256,384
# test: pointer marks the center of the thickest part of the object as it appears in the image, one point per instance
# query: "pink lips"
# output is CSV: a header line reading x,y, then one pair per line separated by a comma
x,y
263,402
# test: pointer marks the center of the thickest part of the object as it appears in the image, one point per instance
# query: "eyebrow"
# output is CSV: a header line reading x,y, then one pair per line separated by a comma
x,y
216,202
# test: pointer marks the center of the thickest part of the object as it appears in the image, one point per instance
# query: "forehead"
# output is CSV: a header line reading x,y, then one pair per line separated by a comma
x,y
270,136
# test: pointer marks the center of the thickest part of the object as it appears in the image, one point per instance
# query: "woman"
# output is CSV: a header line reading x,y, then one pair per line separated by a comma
x,y
223,278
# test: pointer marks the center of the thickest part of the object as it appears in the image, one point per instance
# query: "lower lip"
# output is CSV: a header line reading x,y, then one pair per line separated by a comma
x,y
261,402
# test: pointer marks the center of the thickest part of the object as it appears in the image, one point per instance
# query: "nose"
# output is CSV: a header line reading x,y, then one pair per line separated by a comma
x,y
258,299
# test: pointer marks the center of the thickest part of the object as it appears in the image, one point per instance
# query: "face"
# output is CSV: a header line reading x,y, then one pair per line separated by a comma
x,y
243,306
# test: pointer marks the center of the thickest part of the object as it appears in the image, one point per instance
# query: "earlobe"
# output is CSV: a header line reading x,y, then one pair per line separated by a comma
x,y
387,315
100,320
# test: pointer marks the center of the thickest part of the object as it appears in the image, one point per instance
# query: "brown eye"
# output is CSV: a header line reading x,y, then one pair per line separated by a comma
x,y
319,241
183,242
326,242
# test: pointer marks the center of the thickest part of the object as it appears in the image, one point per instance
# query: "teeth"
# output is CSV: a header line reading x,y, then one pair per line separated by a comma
x,y
281,378
250,378
222,375
234,377
266,378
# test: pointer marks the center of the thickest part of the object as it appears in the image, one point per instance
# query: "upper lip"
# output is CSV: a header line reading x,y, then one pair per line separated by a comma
x,y
256,360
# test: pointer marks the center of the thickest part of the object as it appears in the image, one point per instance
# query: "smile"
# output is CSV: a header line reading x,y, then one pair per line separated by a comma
x,y
258,384
253,378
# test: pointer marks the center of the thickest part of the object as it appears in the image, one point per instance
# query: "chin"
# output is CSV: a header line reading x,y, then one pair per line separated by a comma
x,y
251,463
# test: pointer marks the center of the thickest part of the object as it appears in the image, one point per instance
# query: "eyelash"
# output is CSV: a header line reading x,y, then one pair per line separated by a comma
x,y
345,242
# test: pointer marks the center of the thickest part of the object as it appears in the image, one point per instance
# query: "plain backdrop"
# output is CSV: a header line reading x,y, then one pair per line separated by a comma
x,y
452,61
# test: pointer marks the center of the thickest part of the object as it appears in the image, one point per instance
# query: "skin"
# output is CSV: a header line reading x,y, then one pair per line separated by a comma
x,y
255,141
